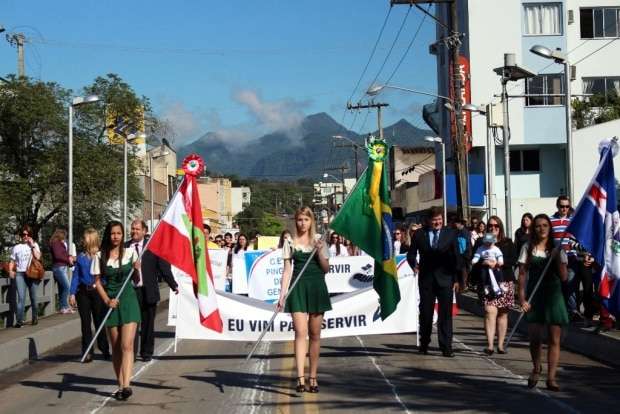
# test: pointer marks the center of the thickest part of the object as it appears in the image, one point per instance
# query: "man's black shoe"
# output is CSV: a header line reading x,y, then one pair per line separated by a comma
x,y
147,358
423,350
448,353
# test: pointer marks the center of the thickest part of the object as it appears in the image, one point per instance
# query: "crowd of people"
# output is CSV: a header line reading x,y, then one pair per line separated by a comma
x,y
504,271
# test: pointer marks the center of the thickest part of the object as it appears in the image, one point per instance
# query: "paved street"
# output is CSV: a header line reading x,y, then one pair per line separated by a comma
x,y
370,374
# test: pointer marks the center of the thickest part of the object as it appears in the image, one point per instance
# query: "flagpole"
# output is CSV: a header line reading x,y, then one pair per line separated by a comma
x,y
175,327
529,300
277,311
107,315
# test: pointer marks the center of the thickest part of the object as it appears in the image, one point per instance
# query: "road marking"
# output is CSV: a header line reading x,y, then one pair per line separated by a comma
x,y
284,399
385,378
565,407
167,349
261,367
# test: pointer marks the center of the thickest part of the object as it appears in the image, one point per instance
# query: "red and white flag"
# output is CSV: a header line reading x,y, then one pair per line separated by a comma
x,y
179,239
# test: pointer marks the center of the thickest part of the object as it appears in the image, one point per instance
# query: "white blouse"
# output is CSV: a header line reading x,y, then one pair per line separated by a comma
x,y
288,246
129,256
539,253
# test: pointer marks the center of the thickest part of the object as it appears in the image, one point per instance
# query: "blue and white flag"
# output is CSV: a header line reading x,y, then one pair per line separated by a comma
x,y
596,222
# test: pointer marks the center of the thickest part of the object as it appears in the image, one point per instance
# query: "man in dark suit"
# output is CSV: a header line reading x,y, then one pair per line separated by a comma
x,y
439,269
146,285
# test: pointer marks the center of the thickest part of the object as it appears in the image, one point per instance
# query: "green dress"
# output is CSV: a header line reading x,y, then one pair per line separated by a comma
x,y
128,309
310,294
548,306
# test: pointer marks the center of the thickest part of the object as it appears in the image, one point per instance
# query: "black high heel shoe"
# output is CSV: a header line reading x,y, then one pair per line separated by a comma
x,y
314,386
126,393
553,386
301,386
533,378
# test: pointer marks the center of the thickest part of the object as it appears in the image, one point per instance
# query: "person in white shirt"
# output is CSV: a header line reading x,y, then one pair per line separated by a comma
x,y
21,255
492,258
336,248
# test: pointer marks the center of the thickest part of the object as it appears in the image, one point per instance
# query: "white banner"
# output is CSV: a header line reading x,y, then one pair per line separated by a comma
x,y
355,313
346,274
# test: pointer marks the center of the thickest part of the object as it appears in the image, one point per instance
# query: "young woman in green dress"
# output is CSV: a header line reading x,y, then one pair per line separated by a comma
x,y
111,268
309,299
547,308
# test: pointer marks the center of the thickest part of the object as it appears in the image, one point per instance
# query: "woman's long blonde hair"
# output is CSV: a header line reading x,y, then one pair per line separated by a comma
x,y
91,241
306,211
59,234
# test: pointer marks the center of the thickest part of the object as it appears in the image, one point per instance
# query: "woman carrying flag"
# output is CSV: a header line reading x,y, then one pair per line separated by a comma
x,y
309,299
114,263
547,306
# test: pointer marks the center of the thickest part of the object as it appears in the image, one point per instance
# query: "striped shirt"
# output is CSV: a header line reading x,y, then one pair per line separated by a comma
x,y
558,229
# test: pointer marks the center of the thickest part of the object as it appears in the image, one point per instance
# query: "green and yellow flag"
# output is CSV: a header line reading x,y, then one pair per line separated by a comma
x,y
366,220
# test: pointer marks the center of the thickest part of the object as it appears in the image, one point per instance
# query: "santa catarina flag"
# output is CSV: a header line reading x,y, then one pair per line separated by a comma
x,y
366,220
596,222
179,239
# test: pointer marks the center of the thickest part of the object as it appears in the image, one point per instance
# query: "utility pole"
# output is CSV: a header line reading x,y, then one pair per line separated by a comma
x,y
459,146
18,40
372,104
351,145
343,168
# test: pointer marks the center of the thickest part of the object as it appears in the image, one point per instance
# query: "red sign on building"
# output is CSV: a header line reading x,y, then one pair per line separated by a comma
x,y
465,98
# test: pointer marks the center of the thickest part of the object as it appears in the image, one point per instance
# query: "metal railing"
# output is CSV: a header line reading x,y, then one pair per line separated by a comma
x,y
46,299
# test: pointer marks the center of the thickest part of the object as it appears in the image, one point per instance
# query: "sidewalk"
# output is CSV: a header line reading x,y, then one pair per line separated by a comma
x,y
604,347
30,342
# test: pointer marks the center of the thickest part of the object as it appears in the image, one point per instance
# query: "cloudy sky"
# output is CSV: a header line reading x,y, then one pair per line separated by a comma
x,y
238,68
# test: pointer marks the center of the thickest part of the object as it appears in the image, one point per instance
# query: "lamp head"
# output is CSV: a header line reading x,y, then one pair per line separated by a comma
x,y
375,90
81,100
547,53
433,139
473,108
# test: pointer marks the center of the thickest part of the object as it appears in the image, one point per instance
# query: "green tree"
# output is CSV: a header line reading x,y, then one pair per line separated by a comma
x,y
33,156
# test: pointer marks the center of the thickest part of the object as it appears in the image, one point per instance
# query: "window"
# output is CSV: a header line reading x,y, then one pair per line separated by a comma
x,y
600,22
542,19
525,160
549,84
604,86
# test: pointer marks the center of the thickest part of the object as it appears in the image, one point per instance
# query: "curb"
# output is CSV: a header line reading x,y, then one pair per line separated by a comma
x,y
600,347
32,346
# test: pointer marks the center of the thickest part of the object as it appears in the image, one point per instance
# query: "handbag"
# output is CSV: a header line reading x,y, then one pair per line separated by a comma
x,y
35,270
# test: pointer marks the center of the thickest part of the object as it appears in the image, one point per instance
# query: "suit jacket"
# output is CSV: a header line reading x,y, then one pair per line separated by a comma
x,y
153,268
442,264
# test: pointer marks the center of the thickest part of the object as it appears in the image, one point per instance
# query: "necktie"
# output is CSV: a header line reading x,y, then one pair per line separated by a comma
x,y
435,238
135,276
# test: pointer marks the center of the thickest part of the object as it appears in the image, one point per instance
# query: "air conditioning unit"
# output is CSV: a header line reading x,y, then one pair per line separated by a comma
x,y
571,17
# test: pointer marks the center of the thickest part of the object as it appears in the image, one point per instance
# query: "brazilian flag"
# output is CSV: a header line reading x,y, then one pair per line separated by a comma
x,y
366,220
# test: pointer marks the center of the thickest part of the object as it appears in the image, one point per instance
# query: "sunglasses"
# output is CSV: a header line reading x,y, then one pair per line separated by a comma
x,y
493,226
564,206
398,232
24,234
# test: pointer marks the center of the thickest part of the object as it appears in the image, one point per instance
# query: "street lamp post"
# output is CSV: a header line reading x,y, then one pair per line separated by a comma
x,y
489,154
127,139
438,140
509,72
561,58
77,101
162,153
325,175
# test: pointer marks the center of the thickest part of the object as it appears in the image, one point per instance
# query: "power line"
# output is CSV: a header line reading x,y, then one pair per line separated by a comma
x,y
400,29
374,49
408,46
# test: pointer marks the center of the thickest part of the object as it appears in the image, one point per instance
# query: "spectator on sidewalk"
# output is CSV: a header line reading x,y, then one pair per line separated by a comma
x,y
546,308
21,255
336,248
85,296
478,232
522,235
577,272
496,307
401,243
61,260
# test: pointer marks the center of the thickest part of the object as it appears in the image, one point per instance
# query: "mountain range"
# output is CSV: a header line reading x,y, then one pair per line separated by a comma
x,y
306,151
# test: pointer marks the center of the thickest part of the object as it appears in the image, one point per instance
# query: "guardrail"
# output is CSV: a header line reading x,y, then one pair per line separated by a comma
x,y
46,299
